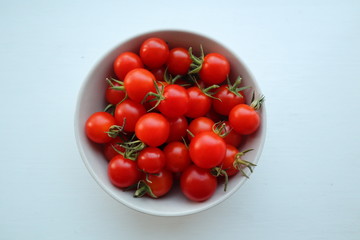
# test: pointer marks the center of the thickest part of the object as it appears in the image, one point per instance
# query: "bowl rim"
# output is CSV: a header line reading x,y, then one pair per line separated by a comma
x,y
99,181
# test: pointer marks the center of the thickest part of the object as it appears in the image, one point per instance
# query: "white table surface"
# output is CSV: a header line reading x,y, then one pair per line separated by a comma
x,y
305,56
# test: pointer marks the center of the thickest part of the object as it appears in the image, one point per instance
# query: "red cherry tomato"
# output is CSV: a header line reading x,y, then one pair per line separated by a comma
x,y
126,62
207,149
114,96
177,157
138,83
154,52
151,160
232,163
197,184
178,127
228,162
175,102
97,126
123,172
232,138
130,111
159,74
198,125
179,61
199,103
227,101
152,129
244,119
155,185
215,69
108,149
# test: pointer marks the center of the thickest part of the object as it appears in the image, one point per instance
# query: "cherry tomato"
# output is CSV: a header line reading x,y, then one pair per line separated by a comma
x,y
156,185
179,61
178,127
215,69
232,163
207,149
130,111
199,103
152,129
114,96
154,52
159,73
228,162
244,119
177,157
123,172
138,83
201,124
97,126
126,62
197,184
108,149
151,160
232,138
227,101
175,102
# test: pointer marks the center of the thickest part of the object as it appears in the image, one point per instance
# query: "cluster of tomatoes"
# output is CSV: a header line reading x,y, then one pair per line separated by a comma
x,y
173,116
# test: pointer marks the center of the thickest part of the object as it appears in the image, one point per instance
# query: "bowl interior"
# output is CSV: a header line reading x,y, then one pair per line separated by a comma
x,y
91,99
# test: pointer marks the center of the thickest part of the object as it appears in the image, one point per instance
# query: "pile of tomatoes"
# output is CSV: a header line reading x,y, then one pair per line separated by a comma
x,y
173,117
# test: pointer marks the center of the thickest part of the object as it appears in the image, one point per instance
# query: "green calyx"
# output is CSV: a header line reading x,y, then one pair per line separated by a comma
x,y
217,171
197,62
142,189
257,103
240,163
235,87
158,96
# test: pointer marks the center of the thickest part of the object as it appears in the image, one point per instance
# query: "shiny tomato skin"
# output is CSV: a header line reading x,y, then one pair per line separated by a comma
x,y
160,183
126,62
130,111
152,129
114,96
179,61
232,138
197,184
244,119
207,149
199,103
154,52
159,73
227,101
138,82
177,157
215,69
108,148
123,172
228,161
178,127
97,125
200,124
151,160
176,102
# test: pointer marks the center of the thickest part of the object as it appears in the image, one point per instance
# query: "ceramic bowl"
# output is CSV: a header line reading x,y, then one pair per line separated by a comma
x,y
91,99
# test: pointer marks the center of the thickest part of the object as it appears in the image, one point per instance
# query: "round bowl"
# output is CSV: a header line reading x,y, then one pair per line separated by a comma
x,y
91,99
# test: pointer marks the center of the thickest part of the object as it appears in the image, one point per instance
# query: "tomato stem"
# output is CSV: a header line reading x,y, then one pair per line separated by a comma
x,y
158,96
196,65
217,171
235,87
257,103
142,189
239,163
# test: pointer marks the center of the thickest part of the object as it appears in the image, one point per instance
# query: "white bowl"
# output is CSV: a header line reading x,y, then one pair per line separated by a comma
x,y
91,99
